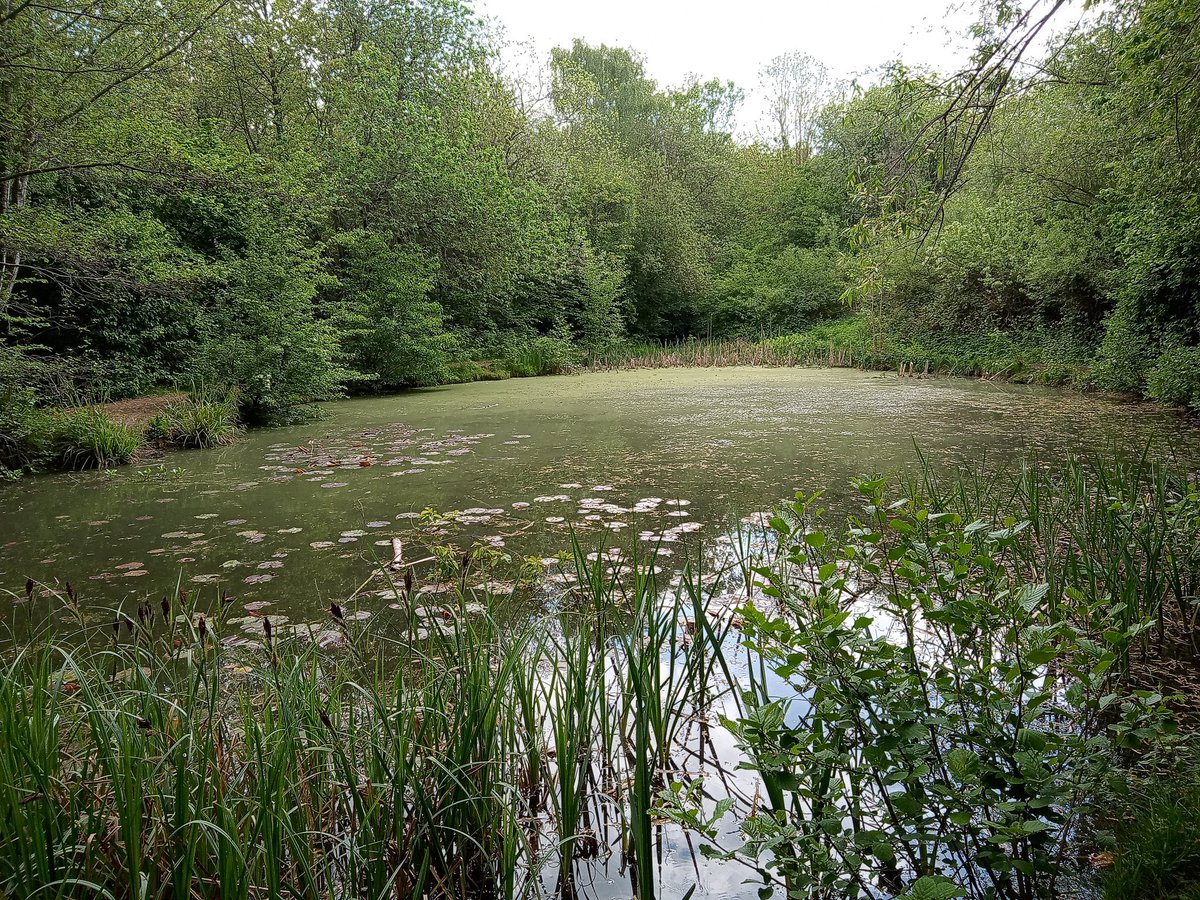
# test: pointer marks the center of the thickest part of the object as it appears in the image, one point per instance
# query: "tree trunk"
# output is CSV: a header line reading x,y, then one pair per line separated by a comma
x,y
14,190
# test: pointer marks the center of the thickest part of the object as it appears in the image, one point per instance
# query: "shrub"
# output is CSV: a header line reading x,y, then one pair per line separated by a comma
x,y
23,430
465,369
1125,353
945,728
1175,377
87,438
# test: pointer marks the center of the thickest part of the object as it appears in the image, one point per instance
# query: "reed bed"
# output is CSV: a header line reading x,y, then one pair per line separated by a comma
x,y
459,747
855,342
708,353
1122,527
435,755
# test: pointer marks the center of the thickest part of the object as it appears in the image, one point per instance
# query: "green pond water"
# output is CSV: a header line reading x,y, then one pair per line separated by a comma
x,y
295,517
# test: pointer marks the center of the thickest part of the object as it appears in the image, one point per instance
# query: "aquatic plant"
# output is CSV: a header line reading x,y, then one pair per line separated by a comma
x,y
1115,527
856,342
544,355
88,438
197,422
922,711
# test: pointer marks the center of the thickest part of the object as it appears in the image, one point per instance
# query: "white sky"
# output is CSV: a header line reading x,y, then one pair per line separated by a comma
x,y
733,40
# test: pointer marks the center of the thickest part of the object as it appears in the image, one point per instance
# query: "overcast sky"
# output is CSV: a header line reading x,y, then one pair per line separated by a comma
x,y
733,39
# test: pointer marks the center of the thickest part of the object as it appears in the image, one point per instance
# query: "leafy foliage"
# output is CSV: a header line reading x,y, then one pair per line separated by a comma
x,y
310,200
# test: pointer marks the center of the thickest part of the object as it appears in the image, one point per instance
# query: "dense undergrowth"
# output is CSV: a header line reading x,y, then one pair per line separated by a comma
x,y
955,692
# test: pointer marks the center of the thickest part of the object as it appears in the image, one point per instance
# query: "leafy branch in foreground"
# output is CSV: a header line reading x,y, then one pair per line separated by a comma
x,y
925,718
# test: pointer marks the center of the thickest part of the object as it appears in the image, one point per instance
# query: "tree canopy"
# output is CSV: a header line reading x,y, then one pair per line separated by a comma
x,y
300,199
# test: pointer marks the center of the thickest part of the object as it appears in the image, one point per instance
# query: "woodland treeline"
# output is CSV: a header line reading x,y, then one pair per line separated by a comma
x,y
300,199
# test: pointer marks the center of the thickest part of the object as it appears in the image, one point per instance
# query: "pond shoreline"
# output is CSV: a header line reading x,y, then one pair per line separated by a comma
x,y
136,414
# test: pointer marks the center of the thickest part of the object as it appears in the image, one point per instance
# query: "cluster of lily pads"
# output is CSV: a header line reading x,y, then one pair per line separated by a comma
x,y
523,529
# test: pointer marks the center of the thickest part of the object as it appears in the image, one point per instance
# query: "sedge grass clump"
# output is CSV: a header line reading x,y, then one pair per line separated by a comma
x,y
88,438
544,355
197,422
1156,839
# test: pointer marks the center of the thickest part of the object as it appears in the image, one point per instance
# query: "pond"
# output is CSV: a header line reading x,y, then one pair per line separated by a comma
x,y
301,515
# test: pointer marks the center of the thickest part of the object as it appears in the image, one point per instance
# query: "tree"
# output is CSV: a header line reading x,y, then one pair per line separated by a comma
x,y
68,78
797,87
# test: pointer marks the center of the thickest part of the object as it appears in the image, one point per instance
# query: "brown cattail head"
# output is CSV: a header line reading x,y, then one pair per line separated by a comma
x,y
142,612
335,611
325,720
128,624
267,629
166,608
28,588
70,590
466,560
203,629
117,627
144,724
408,581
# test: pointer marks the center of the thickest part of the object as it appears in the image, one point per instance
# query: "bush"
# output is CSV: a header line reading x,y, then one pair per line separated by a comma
x,y
1125,353
87,438
263,336
23,431
1175,377
196,423
785,291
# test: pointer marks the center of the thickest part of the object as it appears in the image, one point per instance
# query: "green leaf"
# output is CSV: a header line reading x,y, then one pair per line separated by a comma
x,y
933,887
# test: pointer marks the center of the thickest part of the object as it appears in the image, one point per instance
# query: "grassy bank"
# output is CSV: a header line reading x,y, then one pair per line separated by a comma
x,y
987,655
34,439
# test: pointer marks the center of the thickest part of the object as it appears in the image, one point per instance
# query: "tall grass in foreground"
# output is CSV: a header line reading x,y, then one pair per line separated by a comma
x,y
1157,835
931,695
1119,528
149,760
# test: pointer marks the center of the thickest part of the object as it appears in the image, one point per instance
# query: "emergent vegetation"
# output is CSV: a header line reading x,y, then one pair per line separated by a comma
x,y
938,701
